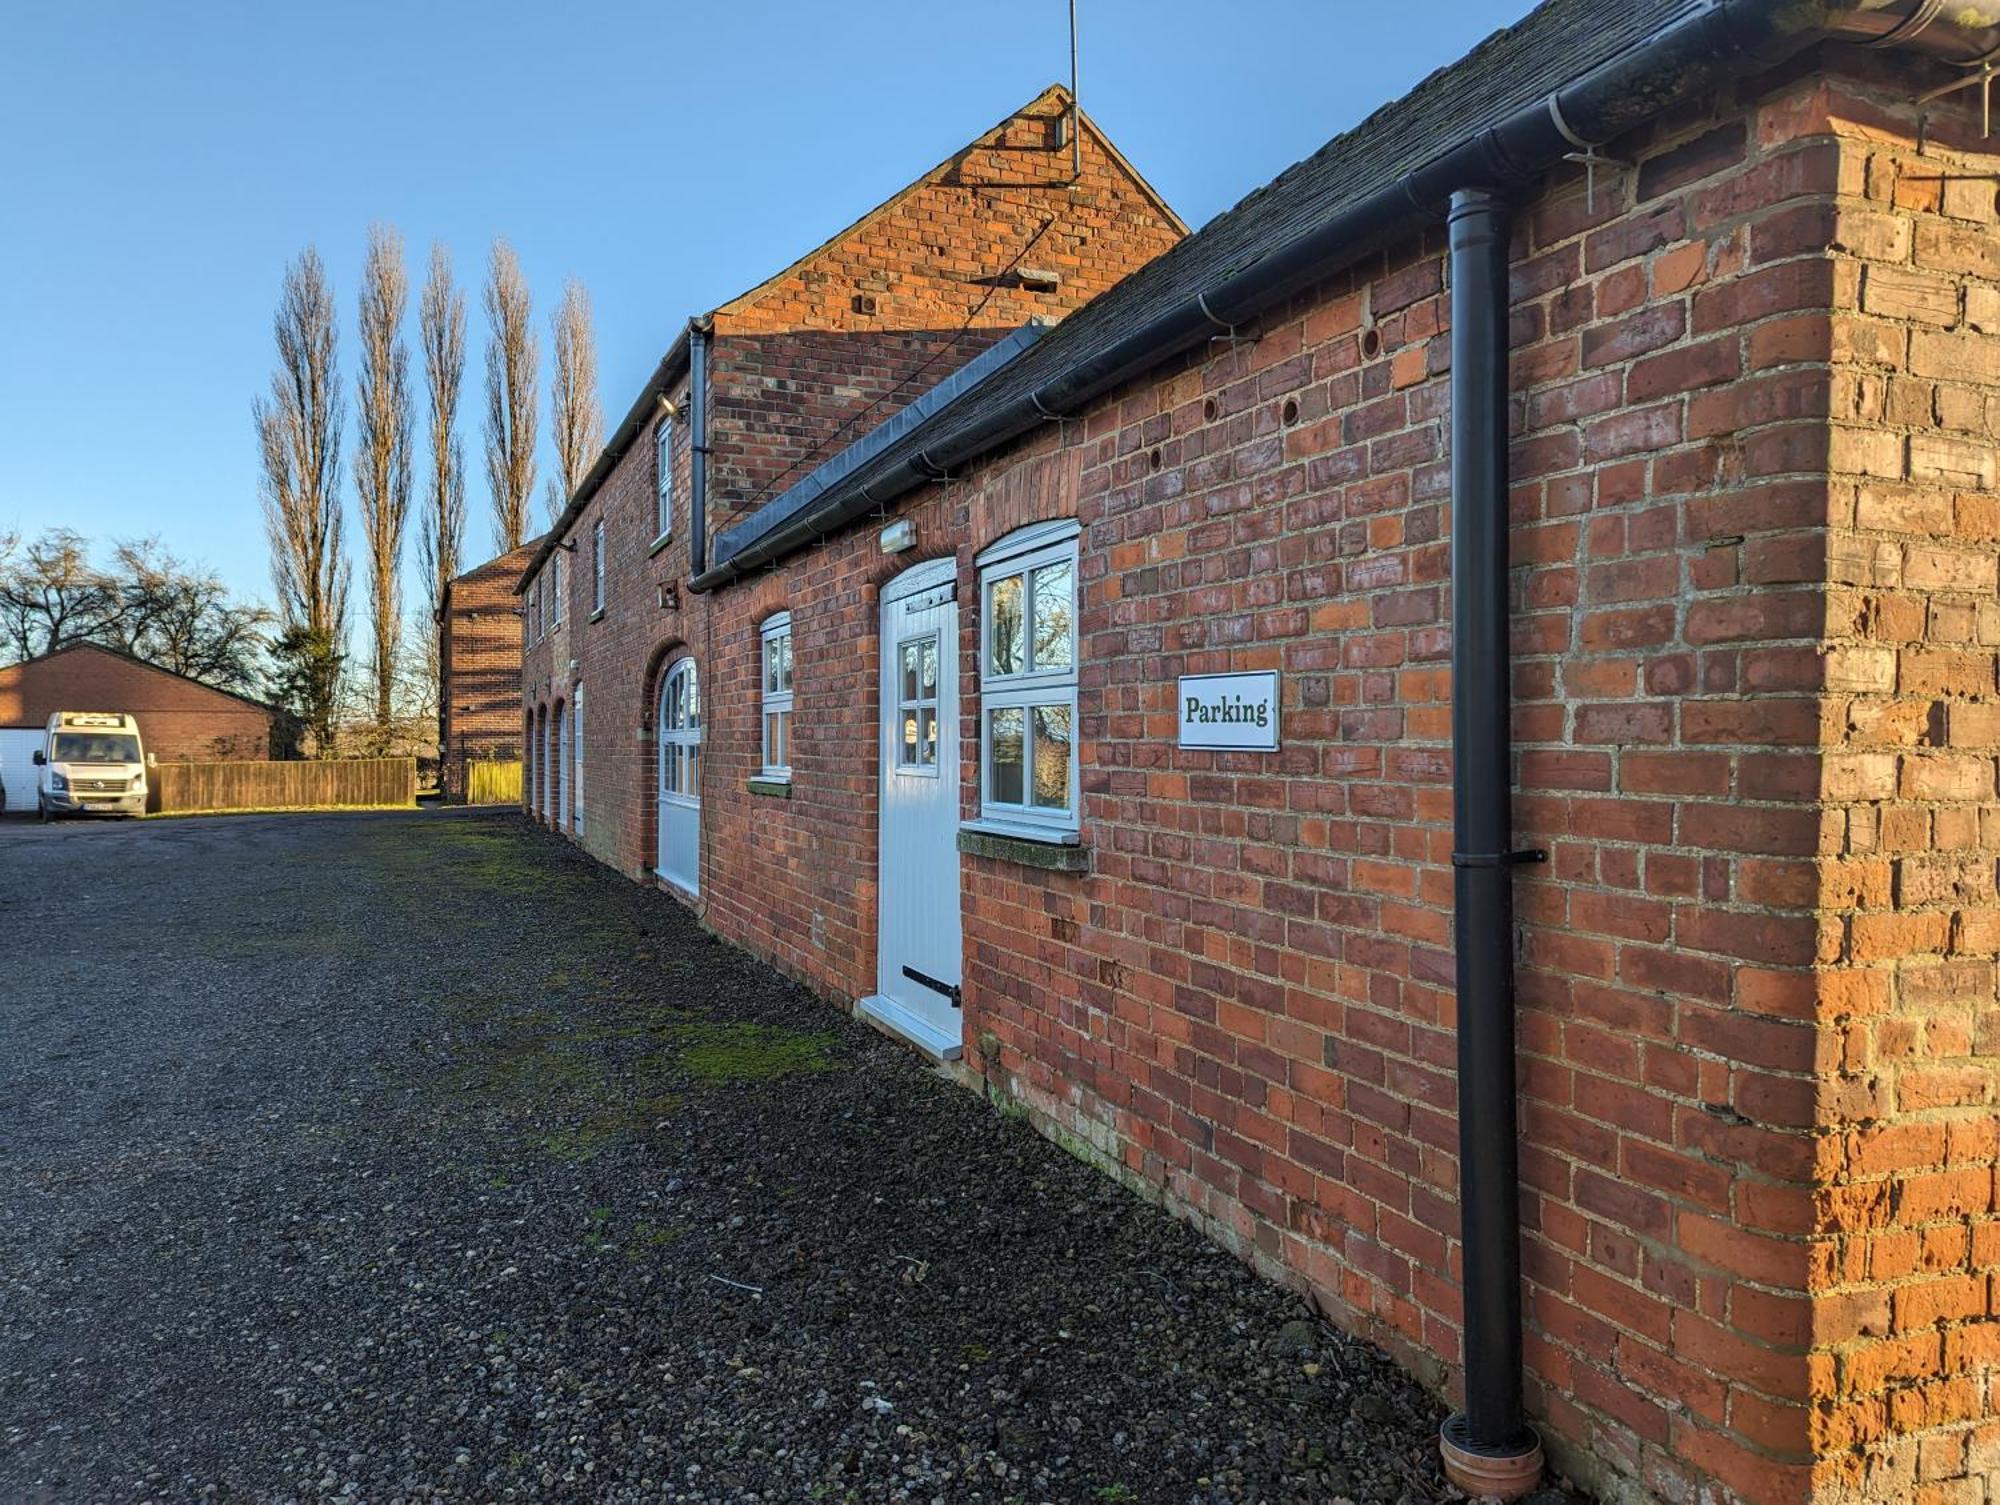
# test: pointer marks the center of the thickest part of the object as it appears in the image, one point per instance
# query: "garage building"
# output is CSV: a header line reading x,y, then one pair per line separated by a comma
x,y
180,719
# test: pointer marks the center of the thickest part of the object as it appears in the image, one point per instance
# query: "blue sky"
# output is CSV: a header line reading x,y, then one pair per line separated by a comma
x,y
162,163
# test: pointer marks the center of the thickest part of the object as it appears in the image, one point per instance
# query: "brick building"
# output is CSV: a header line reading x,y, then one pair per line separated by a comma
x,y
181,720
479,667
1013,231
1632,380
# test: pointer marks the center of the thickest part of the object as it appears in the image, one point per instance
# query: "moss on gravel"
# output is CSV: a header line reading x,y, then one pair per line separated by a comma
x,y
588,1050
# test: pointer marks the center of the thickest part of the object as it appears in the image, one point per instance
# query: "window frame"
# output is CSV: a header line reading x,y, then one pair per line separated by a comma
x,y
1019,556
597,565
663,480
576,758
535,609
777,629
919,769
556,586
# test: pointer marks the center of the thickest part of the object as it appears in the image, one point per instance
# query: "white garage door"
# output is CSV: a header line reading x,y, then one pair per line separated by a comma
x,y
17,765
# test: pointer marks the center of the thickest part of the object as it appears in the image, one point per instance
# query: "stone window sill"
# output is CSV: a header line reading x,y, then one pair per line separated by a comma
x,y
658,544
777,789
1053,854
598,615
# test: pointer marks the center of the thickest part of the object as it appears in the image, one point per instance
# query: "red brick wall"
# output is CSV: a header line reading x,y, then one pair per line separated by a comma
x,y
479,694
790,363
798,372
1754,636
1905,1255
618,656
179,720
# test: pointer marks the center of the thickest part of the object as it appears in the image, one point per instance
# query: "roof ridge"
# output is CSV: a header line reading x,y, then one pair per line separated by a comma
x,y
144,663
750,296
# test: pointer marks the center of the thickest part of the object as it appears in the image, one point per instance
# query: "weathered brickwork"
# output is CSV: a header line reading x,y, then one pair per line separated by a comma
x,y
479,668
1906,1249
811,359
1755,565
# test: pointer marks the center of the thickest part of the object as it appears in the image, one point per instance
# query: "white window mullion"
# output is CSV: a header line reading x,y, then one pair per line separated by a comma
x,y
774,670
1029,680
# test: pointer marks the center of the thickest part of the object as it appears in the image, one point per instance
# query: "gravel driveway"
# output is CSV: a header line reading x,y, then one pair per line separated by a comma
x,y
414,1157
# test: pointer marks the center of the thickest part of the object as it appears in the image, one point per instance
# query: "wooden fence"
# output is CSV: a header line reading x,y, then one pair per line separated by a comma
x,y
336,783
492,782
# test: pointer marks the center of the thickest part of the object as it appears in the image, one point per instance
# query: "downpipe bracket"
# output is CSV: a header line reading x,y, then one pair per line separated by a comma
x,y
1499,859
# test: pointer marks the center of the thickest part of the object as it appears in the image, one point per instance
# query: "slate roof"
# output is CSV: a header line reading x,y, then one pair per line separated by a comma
x,y
1557,43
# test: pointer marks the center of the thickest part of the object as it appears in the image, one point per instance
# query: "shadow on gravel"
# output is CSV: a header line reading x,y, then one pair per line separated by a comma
x,y
419,1157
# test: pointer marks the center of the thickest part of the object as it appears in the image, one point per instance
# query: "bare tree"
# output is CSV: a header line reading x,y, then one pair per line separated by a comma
x,y
180,617
382,454
146,603
512,354
576,422
441,321
298,434
52,595
441,324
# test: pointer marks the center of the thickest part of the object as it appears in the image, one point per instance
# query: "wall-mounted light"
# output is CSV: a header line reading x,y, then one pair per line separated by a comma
x,y
667,407
898,536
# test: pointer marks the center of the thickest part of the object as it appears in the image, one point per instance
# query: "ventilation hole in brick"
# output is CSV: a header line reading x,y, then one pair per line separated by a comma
x,y
1208,411
1153,459
1291,411
864,303
1371,344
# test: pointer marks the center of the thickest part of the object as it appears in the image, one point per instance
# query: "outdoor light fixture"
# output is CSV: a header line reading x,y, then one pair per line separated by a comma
x,y
898,536
667,406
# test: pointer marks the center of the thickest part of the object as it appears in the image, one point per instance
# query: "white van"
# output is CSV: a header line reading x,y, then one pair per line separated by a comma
x,y
92,764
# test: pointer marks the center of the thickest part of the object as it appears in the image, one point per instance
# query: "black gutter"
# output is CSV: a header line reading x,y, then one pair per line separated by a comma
x,y
763,534
1488,1447
697,343
637,418
1723,41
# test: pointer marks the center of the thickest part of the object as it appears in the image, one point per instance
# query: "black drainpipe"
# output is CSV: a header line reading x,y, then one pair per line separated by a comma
x,y
697,450
1489,1449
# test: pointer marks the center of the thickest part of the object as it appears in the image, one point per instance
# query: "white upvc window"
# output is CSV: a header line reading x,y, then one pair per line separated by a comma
x,y
1027,680
576,744
535,610
597,566
663,477
556,586
776,652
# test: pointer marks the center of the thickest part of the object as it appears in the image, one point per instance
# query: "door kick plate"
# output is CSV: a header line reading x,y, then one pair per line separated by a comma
x,y
949,990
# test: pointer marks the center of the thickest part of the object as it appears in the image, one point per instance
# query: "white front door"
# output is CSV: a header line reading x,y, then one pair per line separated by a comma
x,y
680,777
917,945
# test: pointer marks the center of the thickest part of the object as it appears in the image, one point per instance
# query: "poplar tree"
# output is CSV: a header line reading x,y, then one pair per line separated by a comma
x,y
512,354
